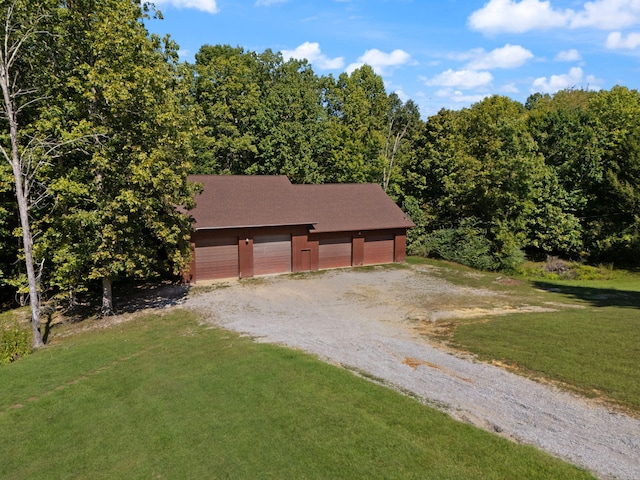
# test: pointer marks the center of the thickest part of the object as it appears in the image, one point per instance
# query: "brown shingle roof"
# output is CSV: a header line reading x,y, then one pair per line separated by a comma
x,y
229,201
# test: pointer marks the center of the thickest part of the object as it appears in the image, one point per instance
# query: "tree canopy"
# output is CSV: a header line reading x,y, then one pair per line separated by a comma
x,y
101,124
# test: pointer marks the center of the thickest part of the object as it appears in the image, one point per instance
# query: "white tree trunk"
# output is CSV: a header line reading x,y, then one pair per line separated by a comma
x,y
34,295
22,196
107,298
10,92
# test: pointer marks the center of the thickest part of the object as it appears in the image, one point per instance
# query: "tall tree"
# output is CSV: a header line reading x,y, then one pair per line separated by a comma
x,y
116,196
291,124
227,91
480,173
613,216
357,105
22,49
403,120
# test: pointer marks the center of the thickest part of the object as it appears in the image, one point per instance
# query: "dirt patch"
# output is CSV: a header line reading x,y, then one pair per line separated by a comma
x,y
415,363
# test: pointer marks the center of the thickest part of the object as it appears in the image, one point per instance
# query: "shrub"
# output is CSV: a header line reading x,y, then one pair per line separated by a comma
x,y
467,244
555,268
556,265
15,342
416,235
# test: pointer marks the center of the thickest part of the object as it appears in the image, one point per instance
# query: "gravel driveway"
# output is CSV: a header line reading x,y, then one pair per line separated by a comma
x,y
362,319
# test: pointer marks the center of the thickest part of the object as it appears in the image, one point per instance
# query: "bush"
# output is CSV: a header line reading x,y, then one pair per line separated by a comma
x,y
15,342
467,244
416,235
554,268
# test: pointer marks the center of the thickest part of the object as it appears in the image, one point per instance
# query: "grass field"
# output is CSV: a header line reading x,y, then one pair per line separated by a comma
x,y
591,344
163,397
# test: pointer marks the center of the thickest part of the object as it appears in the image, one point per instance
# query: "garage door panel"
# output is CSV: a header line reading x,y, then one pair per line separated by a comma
x,y
217,258
271,254
379,249
334,252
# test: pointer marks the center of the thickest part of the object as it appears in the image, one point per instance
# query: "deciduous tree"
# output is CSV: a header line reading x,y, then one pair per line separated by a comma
x,y
22,24
116,195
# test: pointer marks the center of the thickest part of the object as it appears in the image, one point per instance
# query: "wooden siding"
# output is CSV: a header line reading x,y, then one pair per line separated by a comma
x,y
245,252
400,247
334,252
379,249
217,257
271,254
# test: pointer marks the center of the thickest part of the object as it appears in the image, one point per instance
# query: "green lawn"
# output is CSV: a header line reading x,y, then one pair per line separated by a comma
x,y
595,351
162,397
591,344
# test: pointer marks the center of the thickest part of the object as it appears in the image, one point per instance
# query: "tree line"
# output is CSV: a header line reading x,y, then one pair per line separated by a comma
x,y
486,185
101,124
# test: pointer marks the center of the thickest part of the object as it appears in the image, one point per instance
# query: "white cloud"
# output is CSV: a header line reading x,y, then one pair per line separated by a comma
x,y
509,56
268,3
509,88
461,79
402,95
516,17
209,6
608,14
568,56
457,96
380,61
311,52
522,16
575,78
616,41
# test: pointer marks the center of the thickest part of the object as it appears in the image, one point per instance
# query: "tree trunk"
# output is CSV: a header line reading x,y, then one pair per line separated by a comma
x,y
22,198
107,298
34,295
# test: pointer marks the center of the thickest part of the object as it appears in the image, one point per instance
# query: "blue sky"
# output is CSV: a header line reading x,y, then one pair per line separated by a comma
x,y
440,54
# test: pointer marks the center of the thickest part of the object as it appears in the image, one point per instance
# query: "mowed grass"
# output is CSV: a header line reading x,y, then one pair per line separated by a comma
x,y
591,344
595,352
163,397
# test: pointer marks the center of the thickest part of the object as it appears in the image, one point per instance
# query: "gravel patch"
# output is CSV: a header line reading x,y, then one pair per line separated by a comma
x,y
364,320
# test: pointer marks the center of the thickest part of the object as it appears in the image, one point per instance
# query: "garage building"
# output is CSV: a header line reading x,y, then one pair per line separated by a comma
x,y
258,225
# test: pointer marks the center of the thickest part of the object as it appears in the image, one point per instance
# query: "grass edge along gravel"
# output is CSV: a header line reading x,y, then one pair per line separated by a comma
x,y
589,345
162,396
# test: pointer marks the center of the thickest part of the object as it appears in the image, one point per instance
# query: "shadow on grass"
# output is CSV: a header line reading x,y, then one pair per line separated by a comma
x,y
128,297
598,297
150,296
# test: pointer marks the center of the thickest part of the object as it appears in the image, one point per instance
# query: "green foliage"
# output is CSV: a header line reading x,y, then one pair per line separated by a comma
x,y
589,139
8,250
613,223
467,244
557,177
291,125
570,270
15,342
260,115
416,235
227,91
123,101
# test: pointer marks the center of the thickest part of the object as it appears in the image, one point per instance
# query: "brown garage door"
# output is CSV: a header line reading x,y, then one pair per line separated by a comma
x,y
334,252
217,258
378,249
271,254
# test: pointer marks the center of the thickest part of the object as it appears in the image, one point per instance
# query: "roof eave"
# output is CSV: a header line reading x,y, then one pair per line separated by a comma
x,y
262,225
